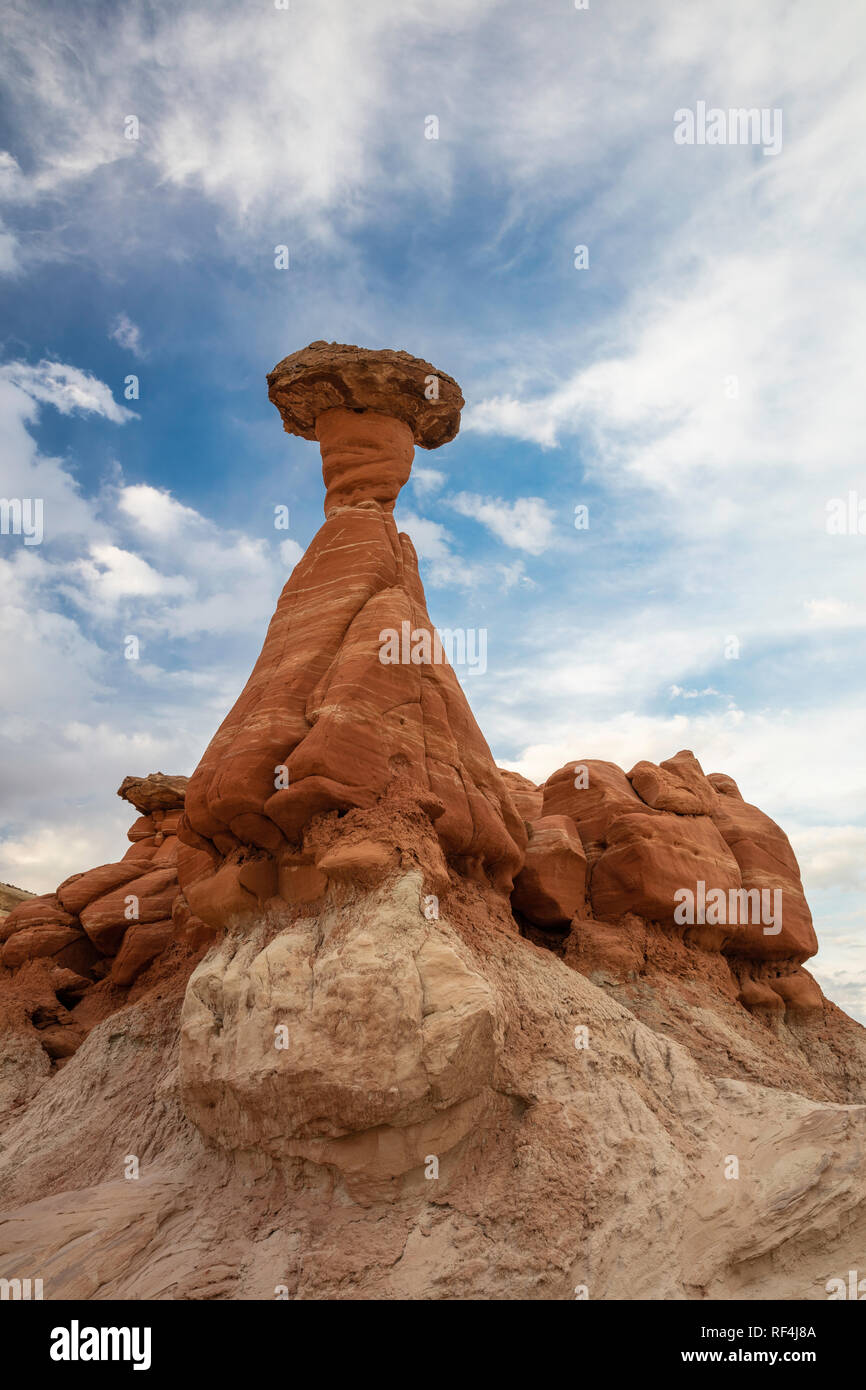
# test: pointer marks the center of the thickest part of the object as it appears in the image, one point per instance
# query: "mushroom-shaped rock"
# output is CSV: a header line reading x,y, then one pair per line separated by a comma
x,y
345,701
368,409
324,376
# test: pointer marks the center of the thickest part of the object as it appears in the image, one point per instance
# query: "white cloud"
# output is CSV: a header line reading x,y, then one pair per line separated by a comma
x,y
833,856
155,511
67,515
679,693
290,553
125,560
12,180
431,539
271,114
127,334
834,613
526,523
444,567
44,856
67,388
780,759
111,574
427,481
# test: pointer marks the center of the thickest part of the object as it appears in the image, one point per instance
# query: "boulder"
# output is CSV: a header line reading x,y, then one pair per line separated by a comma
x,y
76,893
678,784
767,864
156,792
44,911
551,887
107,918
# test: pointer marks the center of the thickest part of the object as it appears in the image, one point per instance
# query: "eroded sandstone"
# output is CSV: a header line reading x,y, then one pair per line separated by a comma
x,y
388,1021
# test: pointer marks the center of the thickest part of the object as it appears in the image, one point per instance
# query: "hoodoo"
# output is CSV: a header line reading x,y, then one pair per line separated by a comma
x,y
382,1020
324,724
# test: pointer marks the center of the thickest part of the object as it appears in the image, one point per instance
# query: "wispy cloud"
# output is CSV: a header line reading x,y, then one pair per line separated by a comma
x,y
68,389
526,523
127,334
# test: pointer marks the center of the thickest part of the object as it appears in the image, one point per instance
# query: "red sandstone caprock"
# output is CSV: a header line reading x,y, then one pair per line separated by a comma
x,y
323,723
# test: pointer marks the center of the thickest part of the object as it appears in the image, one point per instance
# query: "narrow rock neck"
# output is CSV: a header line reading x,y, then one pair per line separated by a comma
x,y
366,457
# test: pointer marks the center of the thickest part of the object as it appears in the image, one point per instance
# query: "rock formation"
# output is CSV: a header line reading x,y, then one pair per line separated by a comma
x,y
68,958
657,831
325,723
389,1021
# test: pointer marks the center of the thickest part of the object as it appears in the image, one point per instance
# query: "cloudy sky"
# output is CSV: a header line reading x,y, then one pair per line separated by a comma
x,y
697,386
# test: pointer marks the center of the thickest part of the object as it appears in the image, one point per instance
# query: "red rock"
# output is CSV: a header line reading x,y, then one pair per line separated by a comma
x,y
365,458
61,1041
678,784
556,1103
143,942
644,848
767,862
527,797
34,942
800,993
639,857
105,919
166,853
324,376
760,999
320,703
301,882
650,858
84,888
359,861
68,982
142,829
595,795
36,912
237,889
188,929
56,944
615,951
551,887
142,851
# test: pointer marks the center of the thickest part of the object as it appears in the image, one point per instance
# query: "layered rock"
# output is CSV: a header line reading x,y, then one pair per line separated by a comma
x,y
315,1171
65,957
678,859
396,1023
352,695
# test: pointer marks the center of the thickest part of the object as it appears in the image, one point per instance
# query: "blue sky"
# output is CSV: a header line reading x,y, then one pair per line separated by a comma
x,y
609,386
